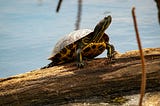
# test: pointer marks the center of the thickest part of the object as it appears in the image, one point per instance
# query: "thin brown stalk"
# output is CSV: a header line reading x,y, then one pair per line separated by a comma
x,y
158,7
59,5
77,25
143,82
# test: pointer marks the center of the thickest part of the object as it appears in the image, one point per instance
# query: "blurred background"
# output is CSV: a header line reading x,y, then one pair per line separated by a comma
x,y
29,29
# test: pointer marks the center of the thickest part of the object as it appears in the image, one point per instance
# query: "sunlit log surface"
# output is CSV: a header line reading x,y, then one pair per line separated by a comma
x,y
67,84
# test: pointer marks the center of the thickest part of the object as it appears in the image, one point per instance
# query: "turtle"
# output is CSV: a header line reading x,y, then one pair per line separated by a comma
x,y
82,44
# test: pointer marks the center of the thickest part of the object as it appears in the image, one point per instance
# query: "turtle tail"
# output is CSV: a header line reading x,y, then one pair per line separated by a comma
x,y
49,65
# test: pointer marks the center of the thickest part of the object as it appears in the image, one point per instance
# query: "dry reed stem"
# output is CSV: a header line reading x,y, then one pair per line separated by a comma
x,y
59,5
143,82
77,25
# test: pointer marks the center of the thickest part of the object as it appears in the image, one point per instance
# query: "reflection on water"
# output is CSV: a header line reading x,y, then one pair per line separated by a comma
x,y
29,29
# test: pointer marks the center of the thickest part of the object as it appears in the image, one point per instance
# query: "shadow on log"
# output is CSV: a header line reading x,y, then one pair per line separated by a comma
x,y
66,83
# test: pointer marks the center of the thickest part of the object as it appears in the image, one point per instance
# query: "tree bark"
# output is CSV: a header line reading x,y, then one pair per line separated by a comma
x,y
66,83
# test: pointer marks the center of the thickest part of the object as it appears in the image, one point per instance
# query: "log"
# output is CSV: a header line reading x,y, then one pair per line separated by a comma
x,y
66,83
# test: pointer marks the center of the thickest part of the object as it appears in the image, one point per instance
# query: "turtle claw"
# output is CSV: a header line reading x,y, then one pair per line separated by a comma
x,y
111,57
80,65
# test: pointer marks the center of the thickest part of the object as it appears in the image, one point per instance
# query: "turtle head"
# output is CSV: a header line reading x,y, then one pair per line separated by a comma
x,y
100,28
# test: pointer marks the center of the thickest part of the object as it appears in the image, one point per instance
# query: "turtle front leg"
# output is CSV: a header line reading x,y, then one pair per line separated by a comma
x,y
80,63
111,51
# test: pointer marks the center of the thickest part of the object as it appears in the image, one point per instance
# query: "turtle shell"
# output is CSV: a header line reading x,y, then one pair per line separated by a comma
x,y
69,39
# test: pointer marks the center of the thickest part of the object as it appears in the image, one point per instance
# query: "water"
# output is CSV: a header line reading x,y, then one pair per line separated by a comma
x,y
29,29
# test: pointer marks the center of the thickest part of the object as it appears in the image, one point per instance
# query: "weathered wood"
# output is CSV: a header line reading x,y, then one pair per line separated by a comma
x,y
66,83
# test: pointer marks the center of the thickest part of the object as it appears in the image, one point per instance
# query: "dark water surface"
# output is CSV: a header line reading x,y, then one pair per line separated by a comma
x,y
29,29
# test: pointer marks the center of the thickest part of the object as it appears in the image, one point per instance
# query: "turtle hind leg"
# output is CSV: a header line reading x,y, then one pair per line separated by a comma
x,y
49,65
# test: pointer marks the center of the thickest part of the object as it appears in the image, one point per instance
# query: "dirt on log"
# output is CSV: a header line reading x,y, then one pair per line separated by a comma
x,y
66,83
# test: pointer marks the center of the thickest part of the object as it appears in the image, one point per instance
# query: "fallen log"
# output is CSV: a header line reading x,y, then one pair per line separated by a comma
x,y
66,83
